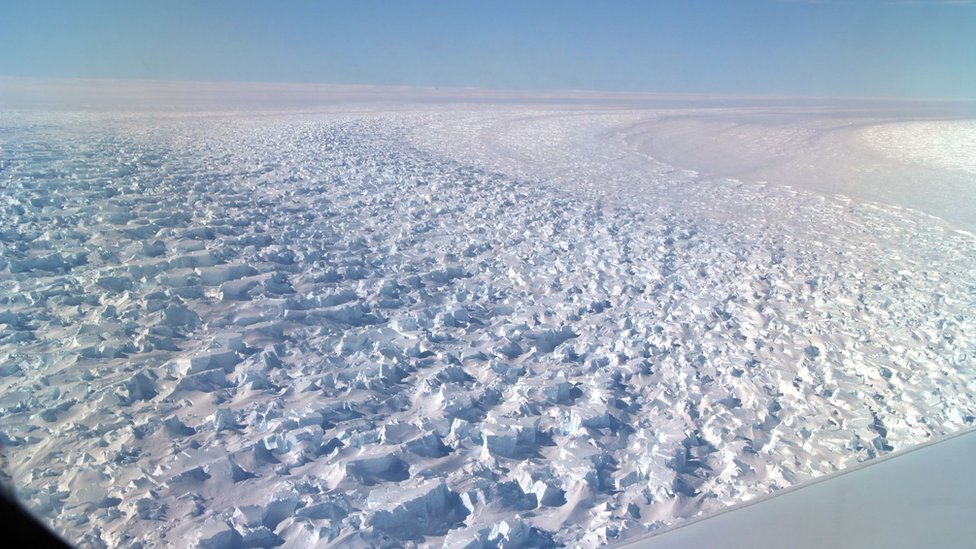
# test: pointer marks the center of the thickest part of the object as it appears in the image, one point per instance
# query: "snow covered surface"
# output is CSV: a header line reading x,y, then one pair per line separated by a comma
x,y
920,498
946,144
480,322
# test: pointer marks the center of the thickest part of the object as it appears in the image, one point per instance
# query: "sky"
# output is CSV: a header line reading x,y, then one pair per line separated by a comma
x,y
889,48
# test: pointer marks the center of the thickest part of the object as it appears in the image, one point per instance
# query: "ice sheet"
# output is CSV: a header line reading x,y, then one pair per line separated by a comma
x,y
479,325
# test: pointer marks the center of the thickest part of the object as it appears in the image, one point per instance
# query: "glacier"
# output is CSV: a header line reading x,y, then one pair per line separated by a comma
x,y
471,325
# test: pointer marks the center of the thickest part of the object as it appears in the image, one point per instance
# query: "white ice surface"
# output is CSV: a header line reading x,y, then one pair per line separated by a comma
x,y
945,144
479,325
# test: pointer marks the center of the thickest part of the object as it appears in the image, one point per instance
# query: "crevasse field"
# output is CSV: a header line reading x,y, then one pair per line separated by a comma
x,y
470,324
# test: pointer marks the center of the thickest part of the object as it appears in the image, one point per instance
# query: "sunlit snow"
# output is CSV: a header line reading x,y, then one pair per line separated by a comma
x,y
486,325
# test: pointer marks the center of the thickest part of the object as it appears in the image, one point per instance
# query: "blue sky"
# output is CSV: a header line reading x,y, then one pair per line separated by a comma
x,y
893,48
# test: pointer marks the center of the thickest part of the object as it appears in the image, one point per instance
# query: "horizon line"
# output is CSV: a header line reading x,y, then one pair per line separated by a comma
x,y
445,90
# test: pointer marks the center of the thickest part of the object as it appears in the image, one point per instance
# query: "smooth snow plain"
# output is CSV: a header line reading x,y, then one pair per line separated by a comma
x,y
463,324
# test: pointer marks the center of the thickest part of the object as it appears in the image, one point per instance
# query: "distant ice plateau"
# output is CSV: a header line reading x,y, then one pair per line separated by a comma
x,y
476,324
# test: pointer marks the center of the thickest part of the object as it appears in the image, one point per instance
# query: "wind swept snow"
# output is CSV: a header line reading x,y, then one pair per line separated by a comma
x,y
444,326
